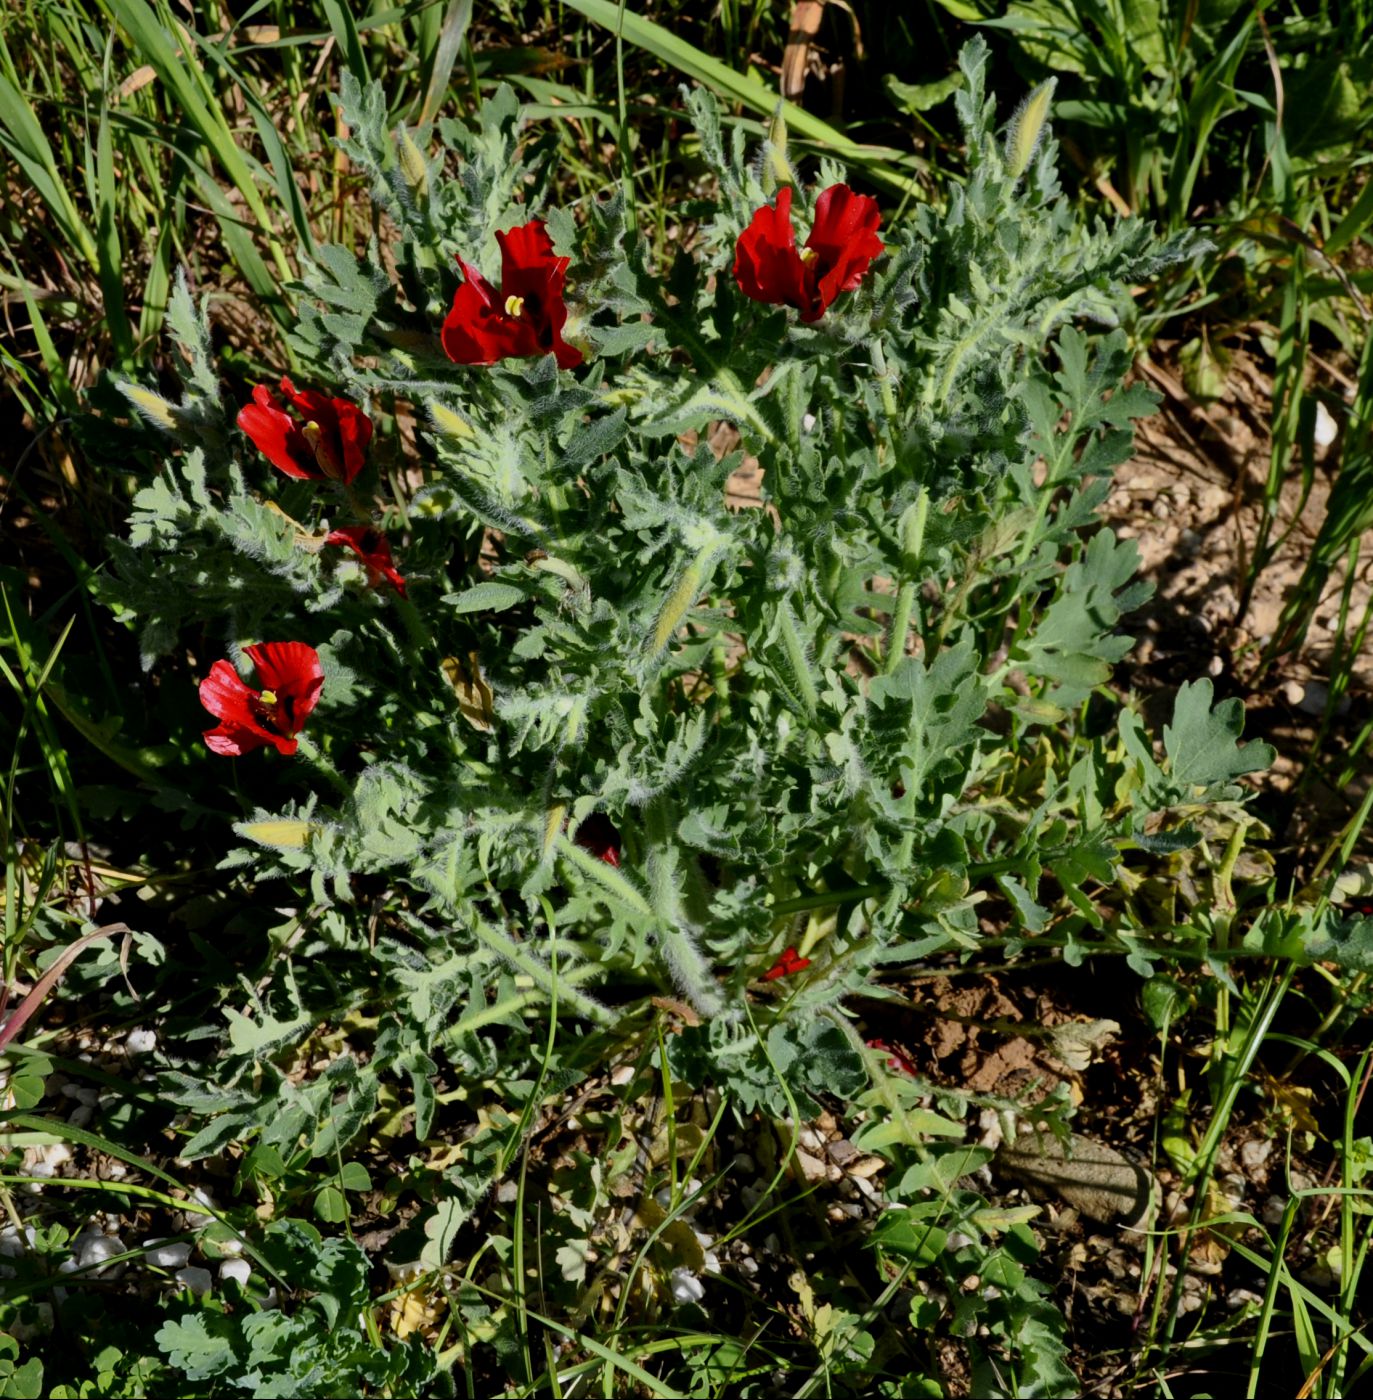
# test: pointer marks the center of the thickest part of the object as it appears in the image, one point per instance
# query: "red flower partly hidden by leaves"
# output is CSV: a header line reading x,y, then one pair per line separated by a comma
x,y
374,549
895,1059
789,962
292,679
598,835
322,439
843,241
526,317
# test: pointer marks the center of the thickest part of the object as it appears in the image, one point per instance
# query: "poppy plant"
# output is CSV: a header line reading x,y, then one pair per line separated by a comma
x,y
843,240
374,549
291,678
526,317
322,439
789,962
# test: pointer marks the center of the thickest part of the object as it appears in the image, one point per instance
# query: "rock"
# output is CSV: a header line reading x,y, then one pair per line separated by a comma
x,y
1325,429
1253,1155
167,1256
1088,1175
686,1287
812,1169
198,1280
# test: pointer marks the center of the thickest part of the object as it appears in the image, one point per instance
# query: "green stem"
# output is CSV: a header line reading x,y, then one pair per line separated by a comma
x,y
913,521
826,898
310,752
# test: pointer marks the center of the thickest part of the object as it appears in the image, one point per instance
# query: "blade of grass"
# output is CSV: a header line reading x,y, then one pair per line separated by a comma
x,y
174,68
22,136
451,35
888,167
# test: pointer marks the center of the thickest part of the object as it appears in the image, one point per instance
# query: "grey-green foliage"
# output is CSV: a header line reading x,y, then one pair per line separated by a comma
x,y
322,1349
722,684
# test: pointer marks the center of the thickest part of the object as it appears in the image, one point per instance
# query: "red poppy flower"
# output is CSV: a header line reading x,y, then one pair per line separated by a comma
x,y
843,241
788,963
598,835
526,317
324,438
374,549
291,679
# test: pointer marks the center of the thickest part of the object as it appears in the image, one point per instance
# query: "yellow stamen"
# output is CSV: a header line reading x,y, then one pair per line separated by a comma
x,y
514,305
310,432
808,255
269,697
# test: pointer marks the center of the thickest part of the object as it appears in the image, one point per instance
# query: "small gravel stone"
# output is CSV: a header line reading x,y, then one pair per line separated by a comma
x,y
686,1287
140,1042
1253,1155
237,1269
167,1256
198,1280
198,1219
93,1251
1325,430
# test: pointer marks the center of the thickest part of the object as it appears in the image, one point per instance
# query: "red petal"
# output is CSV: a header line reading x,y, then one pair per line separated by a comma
x,y
844,239
531,270
312,405
275,434
226,695
373,548
354,429
475,331
232,741
293,671
788,963
767,266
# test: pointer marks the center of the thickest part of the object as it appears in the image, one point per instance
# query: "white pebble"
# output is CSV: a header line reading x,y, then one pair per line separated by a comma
x,y
195,1218
195,1278
236,1269
96,1250
11,1244
1325,430
1255,1154
140,1042
166,1256
686,1287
